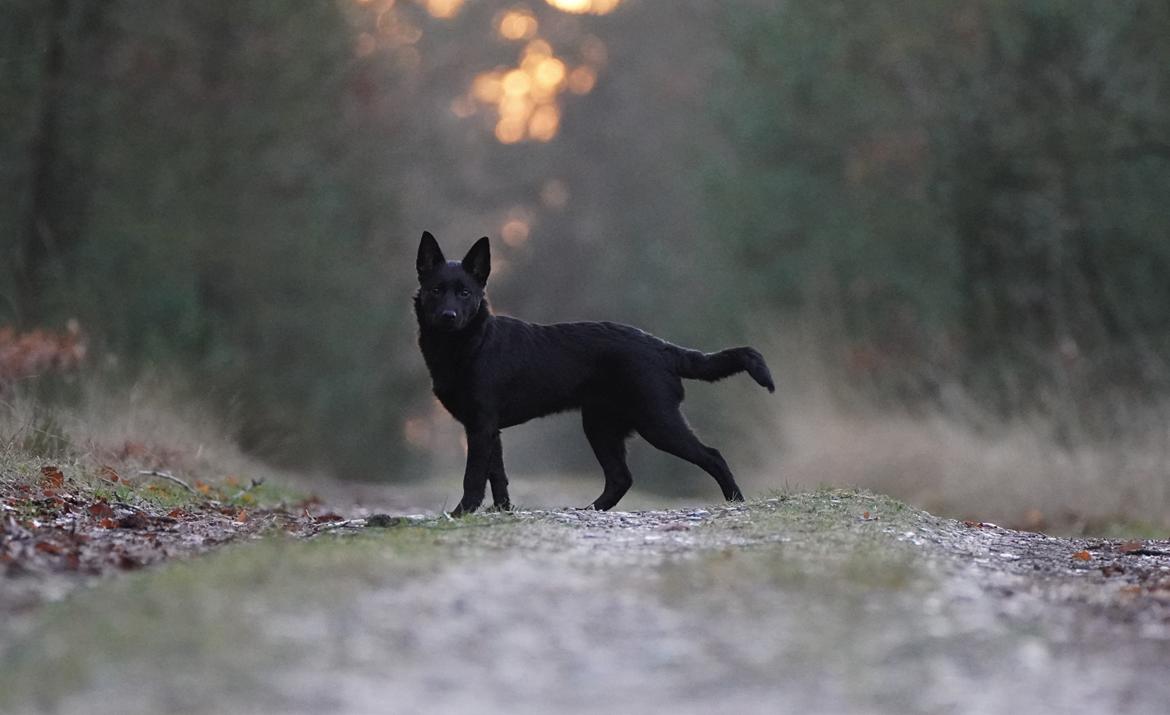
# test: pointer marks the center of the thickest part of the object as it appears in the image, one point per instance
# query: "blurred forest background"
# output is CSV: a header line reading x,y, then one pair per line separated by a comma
x,y
944,222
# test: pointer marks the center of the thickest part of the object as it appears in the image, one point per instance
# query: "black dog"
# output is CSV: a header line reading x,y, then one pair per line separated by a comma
x,y
492,372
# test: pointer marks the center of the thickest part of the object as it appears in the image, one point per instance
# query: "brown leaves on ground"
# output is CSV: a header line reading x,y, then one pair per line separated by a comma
x,y
53,476
979,524
59,525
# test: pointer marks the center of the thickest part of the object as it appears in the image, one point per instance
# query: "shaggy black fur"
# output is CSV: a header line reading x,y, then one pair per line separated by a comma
x,y
493,372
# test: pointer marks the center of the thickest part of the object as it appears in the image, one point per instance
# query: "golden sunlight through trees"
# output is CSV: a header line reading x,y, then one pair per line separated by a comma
x,y
580,7
523,101
525,96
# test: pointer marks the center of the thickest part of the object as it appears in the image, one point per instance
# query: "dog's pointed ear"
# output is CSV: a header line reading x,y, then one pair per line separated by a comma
x,y
478,261
430,256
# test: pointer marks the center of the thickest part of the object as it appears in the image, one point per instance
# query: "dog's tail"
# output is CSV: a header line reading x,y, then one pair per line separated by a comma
x,y
695,365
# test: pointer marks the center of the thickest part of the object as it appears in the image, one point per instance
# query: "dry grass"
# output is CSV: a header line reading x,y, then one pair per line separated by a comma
x,y
962,463
146,426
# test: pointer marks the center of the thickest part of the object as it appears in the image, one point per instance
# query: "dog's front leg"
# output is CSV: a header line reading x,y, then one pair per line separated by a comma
x,y
498,478
481,442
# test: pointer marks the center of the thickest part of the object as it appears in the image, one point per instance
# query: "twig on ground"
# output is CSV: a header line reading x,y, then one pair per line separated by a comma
x,y
343,524
255,483
167,476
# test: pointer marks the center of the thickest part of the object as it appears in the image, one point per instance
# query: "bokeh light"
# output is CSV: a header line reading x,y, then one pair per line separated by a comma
x,y
554,194
366,44
515,232
581,7
525,97
582,79
443,9
517,24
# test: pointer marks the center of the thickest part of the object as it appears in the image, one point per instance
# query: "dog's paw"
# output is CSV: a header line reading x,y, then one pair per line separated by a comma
x,y
460,511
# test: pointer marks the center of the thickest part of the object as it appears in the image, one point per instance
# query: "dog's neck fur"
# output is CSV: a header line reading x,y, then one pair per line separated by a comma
x,y
446,352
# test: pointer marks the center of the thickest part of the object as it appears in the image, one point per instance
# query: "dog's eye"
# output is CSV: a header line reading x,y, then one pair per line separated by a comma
x,y
437,290
463,293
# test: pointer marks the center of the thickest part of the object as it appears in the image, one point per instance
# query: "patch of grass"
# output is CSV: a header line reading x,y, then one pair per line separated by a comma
x,y
851,574
129,429
94,481
839,542
211,614
828,513
1115,528
45,436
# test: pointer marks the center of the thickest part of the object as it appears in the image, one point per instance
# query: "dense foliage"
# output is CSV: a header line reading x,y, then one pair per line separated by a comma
x,y
969,190
186,181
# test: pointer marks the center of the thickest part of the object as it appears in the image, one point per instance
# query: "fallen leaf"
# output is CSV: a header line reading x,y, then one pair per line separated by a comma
x,y
176,513
134,521
330,516
101,510
53,475
1082,556
241,515
49,547
109,474
108,523
1131,546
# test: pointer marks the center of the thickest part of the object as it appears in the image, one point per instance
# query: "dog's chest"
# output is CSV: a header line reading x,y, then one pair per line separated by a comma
x,y
455,378
454,388
455,400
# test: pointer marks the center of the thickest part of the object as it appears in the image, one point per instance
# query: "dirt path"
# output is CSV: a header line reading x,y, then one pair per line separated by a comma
x,y
825,602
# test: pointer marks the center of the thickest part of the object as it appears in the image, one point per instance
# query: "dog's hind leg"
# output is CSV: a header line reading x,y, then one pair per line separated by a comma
x,y
607,437
670,432
498,478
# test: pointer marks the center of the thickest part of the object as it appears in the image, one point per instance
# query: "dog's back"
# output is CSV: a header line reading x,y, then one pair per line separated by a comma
x,y
538,370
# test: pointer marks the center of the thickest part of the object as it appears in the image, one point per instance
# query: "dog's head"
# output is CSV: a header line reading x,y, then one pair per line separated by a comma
x,y
450,292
